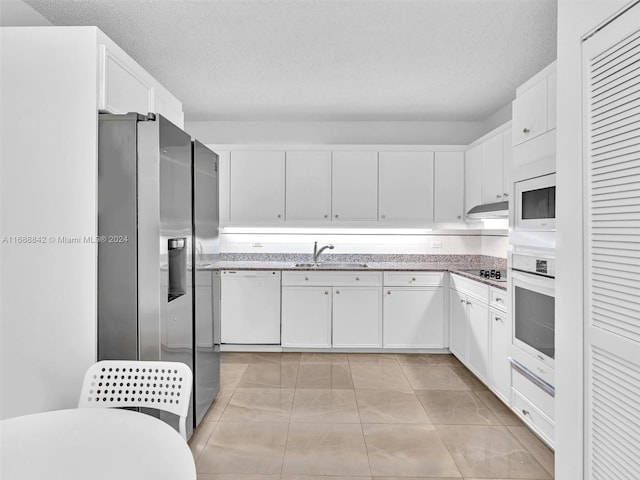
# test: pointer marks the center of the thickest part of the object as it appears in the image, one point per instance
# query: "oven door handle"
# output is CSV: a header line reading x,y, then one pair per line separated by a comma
x,y
546,284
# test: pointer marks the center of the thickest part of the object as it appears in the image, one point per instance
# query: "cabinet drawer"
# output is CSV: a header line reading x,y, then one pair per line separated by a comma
x,y
470,287
410,279
533,393
537,420
542,370
498,299
332,278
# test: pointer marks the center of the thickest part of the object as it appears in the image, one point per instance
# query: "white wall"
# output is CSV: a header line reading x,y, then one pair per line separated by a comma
x,y
575,18
16,13
48,189
361,133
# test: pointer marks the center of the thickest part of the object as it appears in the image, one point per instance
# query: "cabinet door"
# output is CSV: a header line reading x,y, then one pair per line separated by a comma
x,y
448,187
357,317
472,177
492,169
552,97
256,191
354,186
308,186
413,317
507,192
406,187
458,324
530,113
478,337
123,85
500,368
306,317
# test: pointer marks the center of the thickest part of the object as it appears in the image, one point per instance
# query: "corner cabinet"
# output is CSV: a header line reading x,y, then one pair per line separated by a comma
x,y
469,317
256,187
448,187
413,307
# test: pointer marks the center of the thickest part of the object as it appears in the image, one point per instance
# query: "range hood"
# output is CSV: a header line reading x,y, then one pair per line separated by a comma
x,y
489,210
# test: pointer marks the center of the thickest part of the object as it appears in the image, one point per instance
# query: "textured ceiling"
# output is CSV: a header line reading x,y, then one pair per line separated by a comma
x,y
326,59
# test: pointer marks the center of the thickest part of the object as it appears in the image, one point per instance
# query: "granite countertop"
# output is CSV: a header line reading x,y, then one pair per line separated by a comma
x,y
434,263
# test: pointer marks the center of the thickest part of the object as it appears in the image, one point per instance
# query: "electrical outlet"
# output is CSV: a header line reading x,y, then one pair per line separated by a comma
x,y
436,244
256,245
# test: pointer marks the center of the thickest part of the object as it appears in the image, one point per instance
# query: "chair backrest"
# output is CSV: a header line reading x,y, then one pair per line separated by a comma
x,y
129,383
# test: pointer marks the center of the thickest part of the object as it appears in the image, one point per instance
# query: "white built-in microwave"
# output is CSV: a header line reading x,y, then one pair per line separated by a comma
x,y
535,203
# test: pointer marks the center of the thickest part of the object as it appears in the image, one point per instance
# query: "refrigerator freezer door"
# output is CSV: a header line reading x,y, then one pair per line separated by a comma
x,y
206,282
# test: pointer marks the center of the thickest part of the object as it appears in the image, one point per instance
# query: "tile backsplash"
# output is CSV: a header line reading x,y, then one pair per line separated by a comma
x,y
425,244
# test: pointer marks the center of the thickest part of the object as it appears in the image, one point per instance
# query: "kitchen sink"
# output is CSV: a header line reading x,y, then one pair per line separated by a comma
x,y
332,265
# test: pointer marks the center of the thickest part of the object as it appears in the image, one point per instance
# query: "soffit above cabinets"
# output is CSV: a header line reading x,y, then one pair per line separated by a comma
x,y
329,60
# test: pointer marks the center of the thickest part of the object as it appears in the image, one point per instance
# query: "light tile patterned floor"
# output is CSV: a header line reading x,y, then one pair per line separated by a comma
x,y
333,416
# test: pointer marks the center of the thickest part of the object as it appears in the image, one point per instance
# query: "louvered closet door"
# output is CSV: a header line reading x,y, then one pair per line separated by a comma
x,y
611,80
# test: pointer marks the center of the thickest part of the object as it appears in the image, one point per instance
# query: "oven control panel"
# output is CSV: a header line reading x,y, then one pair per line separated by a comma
x,y
534,264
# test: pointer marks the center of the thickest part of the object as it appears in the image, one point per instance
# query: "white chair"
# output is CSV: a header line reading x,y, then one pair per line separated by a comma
x,y
129,383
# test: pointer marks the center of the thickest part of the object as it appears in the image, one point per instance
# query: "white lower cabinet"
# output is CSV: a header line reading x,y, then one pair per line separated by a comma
x,y
306,317
500,343
469,317
478,337
332,309
357,317
413,315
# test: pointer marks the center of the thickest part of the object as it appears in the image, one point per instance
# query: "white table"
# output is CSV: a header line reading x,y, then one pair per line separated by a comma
x,y
92,443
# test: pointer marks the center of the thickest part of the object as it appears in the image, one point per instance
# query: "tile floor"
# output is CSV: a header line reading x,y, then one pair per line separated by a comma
x,y
335,416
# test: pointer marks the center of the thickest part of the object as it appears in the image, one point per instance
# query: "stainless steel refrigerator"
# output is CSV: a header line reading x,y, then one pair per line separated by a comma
x,y
145,246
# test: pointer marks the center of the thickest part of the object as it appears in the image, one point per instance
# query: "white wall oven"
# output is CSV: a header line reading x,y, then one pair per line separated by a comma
x,y
535,205
533,305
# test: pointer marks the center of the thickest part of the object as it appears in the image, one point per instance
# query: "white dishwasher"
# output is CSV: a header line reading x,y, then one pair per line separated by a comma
x,y
250,307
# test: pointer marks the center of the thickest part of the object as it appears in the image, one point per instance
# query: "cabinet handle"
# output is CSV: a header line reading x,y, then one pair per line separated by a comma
x,y
498,196
541,370
505,195
540,357
413,279
383,216
388,292
337,292
326,292
459,217
498,319
469,303
462,301
279,216
498,299
526,130
326,216
357,278
306,278
525,412
336,215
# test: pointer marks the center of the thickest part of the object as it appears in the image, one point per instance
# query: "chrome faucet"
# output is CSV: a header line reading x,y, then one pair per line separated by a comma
x,y
317,253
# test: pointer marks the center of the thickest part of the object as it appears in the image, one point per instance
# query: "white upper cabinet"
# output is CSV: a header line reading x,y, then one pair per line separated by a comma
x,y
534,109
308,186
124,86
530,113
406,187
448,187
472,177
493,169
355,186
256,187
507,165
